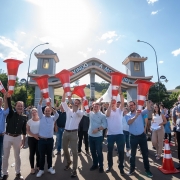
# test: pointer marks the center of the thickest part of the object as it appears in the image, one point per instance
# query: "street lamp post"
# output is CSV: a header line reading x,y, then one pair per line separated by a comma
x,y
156,66
29,68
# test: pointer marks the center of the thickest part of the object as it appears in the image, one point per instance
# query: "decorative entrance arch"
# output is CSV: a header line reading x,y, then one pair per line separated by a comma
x,y
134,69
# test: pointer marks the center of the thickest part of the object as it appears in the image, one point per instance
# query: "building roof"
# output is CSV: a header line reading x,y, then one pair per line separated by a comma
x,y
48,51
134,55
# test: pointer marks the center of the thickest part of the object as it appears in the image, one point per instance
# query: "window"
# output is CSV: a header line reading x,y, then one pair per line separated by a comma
x,y
136,66
45,63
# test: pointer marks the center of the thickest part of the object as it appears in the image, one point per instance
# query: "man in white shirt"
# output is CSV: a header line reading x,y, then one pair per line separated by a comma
x,y
115,132
45,143
70,136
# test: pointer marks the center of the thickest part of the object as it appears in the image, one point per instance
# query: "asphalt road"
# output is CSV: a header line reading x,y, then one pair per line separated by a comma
x,y
85,162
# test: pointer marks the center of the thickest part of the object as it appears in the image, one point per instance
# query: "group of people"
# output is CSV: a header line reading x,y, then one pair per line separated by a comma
x,y
125,126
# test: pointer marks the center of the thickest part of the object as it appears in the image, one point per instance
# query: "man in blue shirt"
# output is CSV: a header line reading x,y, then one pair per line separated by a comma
x,y
137,137
3,114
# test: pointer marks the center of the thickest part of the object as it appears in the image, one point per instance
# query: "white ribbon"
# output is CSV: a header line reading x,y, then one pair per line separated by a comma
x,y
139,107
167,156
166,147
11,88
68,94
1,87
47,100
141,97
11,77
84,97
45,90
114,87
66,85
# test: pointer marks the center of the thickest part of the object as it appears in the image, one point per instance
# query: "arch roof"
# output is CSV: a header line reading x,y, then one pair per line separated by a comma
x,y
134,55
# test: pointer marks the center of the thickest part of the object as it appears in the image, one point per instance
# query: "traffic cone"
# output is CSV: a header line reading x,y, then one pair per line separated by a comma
x,y
2,89
116,79
167,164
79,91
12,68
64,77
142,91
42,82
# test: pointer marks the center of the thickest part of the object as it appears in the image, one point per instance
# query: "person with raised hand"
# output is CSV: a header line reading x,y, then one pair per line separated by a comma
x,y
16,126
46,131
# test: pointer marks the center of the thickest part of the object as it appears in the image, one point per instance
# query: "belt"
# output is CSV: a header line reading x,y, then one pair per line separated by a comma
x,y
61,127
2,134
13,135
71,130
137,135
149,118
44,138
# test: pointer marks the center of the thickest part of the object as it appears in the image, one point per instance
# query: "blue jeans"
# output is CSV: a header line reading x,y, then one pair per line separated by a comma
x,y
119,139
1,152
142,141
95,144
45,146
59,138
127,141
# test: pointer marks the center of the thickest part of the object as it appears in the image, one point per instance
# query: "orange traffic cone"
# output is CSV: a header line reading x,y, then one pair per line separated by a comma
x,y
12,68
64,77
142,91
116,79
42,82
79,91
2,89
168,165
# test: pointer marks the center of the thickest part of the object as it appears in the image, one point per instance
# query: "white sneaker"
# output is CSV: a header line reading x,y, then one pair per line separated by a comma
x,y
40,173
128,154
51,170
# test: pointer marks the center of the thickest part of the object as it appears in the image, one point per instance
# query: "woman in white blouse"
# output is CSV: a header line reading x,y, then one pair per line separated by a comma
x,y
32,129
158,135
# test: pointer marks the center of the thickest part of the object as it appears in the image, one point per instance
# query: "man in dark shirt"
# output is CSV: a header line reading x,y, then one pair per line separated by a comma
x,y
61,121
16,125
83,131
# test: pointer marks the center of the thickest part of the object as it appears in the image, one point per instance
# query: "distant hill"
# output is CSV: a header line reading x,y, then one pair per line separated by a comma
x,y
59,92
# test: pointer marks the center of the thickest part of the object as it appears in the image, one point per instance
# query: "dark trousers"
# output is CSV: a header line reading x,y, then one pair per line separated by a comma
x,y
178,141
95,144
82,134
127,142
59,138
33,149
119,139
45,146
168,135
142,142
1,152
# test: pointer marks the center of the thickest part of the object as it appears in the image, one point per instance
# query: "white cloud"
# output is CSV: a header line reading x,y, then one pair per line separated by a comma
x,y
89,49
160,62
108,35
1,56
101,52
176,52
53,41
154,12
10,49
152,1
23,33
82,53
110,41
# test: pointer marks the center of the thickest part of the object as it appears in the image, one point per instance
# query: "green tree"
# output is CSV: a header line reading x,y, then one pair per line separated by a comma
x,y
178,87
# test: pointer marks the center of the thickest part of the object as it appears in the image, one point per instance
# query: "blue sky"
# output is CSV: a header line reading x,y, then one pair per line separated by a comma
x,y
81,29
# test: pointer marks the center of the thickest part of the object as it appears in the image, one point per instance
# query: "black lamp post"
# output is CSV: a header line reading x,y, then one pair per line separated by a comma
x,y
156,65
29,68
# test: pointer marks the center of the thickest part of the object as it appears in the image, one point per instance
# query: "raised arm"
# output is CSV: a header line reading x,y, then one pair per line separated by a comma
x,y
40,113
122,99
108,112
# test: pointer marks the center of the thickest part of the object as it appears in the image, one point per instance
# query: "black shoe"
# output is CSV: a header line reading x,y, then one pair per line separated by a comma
x,y
154,148
122,172
101,170
19,177
148,139
131,172
178,166
67,167
5,177
93,168
108,169
74,174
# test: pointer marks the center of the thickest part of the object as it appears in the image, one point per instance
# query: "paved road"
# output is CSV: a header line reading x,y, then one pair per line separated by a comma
x,y
85,162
